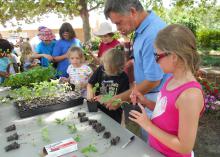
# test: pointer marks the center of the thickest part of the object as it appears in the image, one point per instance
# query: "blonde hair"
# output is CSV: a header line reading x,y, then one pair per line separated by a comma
x,y
113,61
26,51
180,40
77,50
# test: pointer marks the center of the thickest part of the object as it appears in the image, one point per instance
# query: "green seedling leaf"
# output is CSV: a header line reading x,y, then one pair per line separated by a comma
x,y
89,149
105,98
72,128
116,102
40,121
77,138
94,89
45,134
60,121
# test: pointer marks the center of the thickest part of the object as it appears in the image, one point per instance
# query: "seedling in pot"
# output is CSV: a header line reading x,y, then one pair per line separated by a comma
x,y
10,128
93,105
12,146
13,137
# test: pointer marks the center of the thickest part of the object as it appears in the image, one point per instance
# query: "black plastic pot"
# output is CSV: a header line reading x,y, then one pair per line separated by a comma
x,y
92,106
128,107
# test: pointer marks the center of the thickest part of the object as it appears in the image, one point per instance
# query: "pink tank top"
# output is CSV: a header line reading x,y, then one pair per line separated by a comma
x,y
166,116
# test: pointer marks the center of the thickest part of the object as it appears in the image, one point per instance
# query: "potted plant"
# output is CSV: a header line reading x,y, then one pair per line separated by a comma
x,y
93,105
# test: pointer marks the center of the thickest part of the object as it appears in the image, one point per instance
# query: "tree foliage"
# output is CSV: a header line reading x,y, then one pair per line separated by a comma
x,y
27,9
194,13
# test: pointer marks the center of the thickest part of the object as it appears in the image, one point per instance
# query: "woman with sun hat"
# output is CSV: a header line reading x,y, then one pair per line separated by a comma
x,y
44,49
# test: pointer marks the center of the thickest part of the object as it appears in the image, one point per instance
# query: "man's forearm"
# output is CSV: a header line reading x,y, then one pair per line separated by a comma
x,y
59,58
144,87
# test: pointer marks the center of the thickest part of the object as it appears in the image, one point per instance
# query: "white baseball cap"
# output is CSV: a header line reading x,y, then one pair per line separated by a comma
x,y
104,28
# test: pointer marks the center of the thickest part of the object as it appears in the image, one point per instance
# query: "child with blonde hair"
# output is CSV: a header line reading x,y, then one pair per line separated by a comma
x,y
173,126
78,71
27,60
111,79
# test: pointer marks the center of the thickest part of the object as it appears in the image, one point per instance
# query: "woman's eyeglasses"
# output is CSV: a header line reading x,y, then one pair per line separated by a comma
x,y
160,56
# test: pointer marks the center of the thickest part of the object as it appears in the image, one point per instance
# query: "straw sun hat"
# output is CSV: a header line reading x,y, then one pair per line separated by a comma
x,y
104,28
46,34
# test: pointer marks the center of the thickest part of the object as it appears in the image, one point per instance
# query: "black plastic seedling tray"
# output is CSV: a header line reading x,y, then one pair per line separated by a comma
x,y
28,110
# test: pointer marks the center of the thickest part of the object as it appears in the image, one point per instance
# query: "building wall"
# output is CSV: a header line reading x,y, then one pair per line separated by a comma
x,y
32,33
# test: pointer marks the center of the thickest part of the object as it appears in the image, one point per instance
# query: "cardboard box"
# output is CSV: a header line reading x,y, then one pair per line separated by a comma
x,y
60,148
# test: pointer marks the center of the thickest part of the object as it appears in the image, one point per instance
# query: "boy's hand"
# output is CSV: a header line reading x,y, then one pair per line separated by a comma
x,y
98,98
90,96
109,105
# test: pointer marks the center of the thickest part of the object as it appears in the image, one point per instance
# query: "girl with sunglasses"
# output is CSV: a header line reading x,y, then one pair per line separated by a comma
x,y
173,126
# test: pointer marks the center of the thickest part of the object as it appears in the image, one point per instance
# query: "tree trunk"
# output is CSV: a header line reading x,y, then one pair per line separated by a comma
x,y
84,13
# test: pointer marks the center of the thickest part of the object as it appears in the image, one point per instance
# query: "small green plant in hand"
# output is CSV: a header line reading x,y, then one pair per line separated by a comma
x,y
59,121
94,89
72,128
107,97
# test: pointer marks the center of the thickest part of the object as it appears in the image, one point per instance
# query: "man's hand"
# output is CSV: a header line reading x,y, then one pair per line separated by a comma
x,y
137,97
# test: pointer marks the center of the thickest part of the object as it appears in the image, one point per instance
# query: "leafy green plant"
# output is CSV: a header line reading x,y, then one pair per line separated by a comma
x,y
45,134
77,138
35,75
89,149
60,121
107,97
72,128
43,90
209,38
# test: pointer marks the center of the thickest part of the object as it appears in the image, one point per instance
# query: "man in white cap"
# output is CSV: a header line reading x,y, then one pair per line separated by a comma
x,y
106,33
